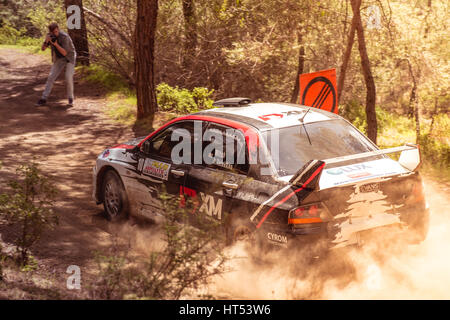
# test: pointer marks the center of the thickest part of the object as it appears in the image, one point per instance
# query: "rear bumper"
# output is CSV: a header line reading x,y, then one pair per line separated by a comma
x,y
333,235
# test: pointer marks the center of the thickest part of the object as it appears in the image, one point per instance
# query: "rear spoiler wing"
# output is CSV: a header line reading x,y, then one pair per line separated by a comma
x,y
409,157
310,173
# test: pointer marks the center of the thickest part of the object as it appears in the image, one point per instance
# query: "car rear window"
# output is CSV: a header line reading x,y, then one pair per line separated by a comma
x,y
327,139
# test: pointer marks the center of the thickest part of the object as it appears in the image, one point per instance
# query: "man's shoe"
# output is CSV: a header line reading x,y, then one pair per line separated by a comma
x,y
41,103
70,104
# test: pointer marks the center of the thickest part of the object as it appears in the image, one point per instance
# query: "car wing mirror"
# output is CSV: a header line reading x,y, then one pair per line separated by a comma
x,y
146,146
309,175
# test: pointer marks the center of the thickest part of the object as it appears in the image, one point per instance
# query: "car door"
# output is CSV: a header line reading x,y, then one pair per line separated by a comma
x,y
213,183
162,170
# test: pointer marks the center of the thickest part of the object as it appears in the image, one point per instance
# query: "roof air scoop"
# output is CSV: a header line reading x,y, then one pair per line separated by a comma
x,y
233,102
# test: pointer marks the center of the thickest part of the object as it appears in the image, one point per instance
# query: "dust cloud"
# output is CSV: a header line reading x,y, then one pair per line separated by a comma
x,y
382,269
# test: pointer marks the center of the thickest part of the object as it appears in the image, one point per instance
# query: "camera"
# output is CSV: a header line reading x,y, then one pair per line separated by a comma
x,y
52,37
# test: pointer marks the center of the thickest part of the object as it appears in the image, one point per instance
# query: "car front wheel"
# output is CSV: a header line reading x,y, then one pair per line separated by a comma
x,y
115,199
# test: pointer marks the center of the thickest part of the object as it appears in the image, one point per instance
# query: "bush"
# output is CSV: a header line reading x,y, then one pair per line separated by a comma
x,y
189,257
355,113
29,206
395,130
435,143
11,36
97,74
182,100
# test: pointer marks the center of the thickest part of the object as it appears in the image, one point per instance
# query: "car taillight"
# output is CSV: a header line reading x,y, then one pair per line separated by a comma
x,y
314,213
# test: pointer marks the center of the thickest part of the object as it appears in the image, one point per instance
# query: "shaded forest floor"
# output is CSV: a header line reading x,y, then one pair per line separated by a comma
x,y
66,142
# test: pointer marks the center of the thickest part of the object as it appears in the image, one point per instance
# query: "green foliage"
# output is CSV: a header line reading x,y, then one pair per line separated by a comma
x,y
24,22
121,99
15,14
112,274
97,74
122,108
435,144
31,264
187,258
202,96
11,36
182,100
28,205
355,113
121,104
435,152
42,12
395,130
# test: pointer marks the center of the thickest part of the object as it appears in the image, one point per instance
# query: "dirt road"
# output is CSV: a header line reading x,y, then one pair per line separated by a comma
x,y
66,141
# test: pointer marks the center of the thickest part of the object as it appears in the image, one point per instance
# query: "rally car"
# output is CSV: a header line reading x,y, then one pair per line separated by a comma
x,y
285,172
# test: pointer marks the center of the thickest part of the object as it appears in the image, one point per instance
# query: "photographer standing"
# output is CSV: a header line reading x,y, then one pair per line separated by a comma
x,y
63,55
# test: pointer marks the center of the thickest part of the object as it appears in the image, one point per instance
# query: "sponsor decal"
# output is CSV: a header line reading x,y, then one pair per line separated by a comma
x,y
370,187
349,170
105,153
271,116
191,193
277,237
156,169
209,205
358,175
267,117
359,172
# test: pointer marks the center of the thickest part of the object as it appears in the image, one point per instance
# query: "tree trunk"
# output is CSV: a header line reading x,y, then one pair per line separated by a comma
x,y
190,31
433,115
416,118
412,97
368,77
301,65
427,23
144,49
79,36
346,58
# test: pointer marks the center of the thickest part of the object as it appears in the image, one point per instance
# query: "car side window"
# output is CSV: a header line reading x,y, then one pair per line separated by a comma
x,y
225,148
162,145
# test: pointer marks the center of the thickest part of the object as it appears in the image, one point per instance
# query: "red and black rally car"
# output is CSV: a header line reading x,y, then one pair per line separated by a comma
x,y
286,172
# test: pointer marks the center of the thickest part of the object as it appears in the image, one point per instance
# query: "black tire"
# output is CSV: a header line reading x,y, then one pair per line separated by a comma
x,y
115,200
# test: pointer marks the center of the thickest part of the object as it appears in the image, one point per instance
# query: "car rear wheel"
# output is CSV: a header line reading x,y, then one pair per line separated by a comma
x,y
419,227
238,230
115,199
